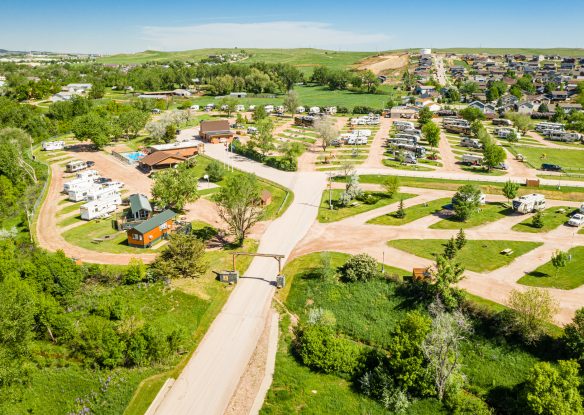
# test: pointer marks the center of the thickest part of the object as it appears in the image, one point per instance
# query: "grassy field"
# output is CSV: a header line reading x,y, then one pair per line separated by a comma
x,y
567,278
302,58
552,218
488,213
562,157
412,213
367,312
325,214
84,235
478,256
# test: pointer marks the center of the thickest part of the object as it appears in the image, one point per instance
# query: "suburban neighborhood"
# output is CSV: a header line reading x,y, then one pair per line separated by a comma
x,y
387,226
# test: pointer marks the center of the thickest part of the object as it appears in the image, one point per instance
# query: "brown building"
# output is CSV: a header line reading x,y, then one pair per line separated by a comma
x,y
152,230
161,160
181,148
216,131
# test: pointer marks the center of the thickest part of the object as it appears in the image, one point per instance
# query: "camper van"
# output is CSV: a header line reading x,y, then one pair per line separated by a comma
x,y
403,125
97,209
78,183
470,142
472,159
52,145
529,203
77,165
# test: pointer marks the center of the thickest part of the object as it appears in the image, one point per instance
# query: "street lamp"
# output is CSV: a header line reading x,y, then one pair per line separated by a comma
x,y
206,177
330,186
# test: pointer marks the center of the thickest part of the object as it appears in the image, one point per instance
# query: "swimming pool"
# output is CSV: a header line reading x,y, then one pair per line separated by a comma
x,y
133,156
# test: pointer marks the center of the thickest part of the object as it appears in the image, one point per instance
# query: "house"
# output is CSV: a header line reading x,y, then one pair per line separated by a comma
x,y
61,96
526,107
216,131
152,230
140,208
182,148
425,91
238,94
161,160
487,109
558,95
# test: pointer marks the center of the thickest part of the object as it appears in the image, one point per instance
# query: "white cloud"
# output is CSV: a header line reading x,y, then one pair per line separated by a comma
x,y
278,34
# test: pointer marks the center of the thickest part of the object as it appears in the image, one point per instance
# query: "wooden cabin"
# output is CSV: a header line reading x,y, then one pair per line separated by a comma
x,y
152,230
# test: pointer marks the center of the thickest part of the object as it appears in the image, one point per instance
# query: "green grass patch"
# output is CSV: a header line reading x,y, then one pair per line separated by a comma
x,y
397,165
478,256
567,278
69,221
562,157
325,214
412,213
552,218
69,208
488,213
84,235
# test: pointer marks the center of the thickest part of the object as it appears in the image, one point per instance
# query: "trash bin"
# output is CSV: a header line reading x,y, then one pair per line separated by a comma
x,y
280,281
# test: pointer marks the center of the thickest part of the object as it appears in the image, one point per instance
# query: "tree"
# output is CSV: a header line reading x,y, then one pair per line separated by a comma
x,y
466,201
516,91
15,153
132,121
559,115
326,129
559,260
442,345
554,390
264,140
391,185
228,104
360,267
93,127
533,309
291,101
97,90
537,220
450,249
523,122
135,272
259,113
432,133
215,171
471,114
175,188
183,257
238,204
573,337
512,137
510,190
446,275
543,107
424,115
460,239
493,155
400,213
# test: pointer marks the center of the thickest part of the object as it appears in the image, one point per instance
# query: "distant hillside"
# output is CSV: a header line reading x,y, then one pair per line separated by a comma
x,y
302,58
518,51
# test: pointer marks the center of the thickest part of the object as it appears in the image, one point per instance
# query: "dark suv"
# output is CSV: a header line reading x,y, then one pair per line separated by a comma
x,y
550,167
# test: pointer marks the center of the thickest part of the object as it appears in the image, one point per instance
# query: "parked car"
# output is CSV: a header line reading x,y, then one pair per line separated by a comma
x,y
90,163
102,180
550,167
576,220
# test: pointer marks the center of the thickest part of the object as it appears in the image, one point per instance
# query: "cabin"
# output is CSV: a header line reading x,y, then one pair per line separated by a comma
x,y
152,230
140,208
216,131
161,160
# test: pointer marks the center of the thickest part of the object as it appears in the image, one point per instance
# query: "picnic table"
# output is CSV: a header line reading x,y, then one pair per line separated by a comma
x,y
507,251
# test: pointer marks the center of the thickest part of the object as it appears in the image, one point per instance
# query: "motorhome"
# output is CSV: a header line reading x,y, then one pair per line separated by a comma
x,y
88,174
470,142
269,108
77,184
529,203
77,165
457,128
52,145
419,151
472,159
80,193
104,193
412,131
97,209
542,126
403,125
399,140
414,137
562,136
503,122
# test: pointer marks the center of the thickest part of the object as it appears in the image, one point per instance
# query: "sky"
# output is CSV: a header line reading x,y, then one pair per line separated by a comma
x,y
108,26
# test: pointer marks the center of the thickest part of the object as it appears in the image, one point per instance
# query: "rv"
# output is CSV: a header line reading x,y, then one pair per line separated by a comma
x,y
80,193
411,137
504,132
88,174
543,126
470,142
269,108
279,109
563,136
419,151
529,203
502,121
362,133
195,107
457,128
300,110
104,193
330,110
472,159
482,199
53,145
410,158
239,108
252,130
251,107
412,131
403,125
78,183
97,209
77,165
398,140
209,107
314,110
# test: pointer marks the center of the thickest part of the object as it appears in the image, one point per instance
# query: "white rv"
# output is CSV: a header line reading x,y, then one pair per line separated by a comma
x,y
470,142
363,133
403,125
88,174
104,193
239,108
472,159
97,209
53,145
542,126
79,194
269,108
251,107
195,107
76,184
529,203
76,165
300,110
330,110
314,110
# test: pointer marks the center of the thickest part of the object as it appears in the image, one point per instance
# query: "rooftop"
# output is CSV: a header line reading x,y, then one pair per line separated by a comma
x,y
155,221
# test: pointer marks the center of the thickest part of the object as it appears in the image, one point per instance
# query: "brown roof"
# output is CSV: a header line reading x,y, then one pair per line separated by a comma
x,y
159,156
214,125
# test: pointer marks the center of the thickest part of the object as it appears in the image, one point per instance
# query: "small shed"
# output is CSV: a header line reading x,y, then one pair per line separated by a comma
x,y
532,182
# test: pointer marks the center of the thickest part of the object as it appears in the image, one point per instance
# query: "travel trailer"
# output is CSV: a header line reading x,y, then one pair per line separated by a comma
x,y
529,203
472,159
104,193
502,121
314,110
77,165
52,145
543,126
470,142
269,108
79,194
78,183
300,110
239,108
88,174
97,209
403,125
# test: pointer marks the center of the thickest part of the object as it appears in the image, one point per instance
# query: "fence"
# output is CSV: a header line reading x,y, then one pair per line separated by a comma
x,y
124,159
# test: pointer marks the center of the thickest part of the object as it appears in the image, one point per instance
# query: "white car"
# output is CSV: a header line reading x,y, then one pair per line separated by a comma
x,y
576,220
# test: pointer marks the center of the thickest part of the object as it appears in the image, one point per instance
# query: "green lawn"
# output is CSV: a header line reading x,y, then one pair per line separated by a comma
x,y
70,208
412,213
325,214
562,157
83,236
69,221
401,166
567,278
552,218
478,256
489,212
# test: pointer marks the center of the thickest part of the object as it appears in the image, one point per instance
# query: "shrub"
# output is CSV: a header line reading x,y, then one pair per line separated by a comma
x,y
320,349
135,272
574,336
464,403
361,267
537,220
215,171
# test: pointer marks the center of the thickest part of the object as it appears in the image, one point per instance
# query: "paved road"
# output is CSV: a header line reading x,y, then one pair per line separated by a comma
x,y
440,70
208,381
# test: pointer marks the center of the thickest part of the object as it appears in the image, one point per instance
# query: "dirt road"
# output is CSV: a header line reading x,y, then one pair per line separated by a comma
x,y
379,64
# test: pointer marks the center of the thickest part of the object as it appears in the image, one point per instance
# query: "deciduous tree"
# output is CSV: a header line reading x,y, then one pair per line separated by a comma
x,y
183,257
175,188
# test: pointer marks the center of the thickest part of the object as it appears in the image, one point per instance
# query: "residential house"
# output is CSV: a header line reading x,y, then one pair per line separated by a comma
x,y
558,95
487,109
152,230
216,131
526,107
